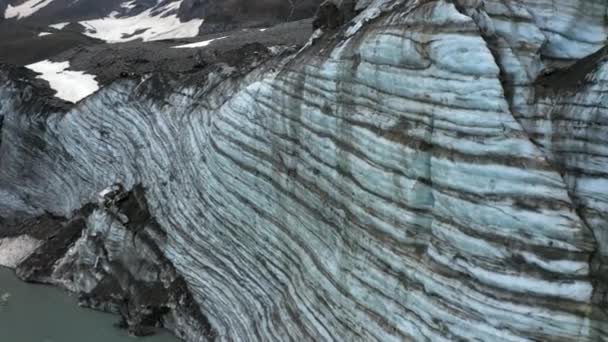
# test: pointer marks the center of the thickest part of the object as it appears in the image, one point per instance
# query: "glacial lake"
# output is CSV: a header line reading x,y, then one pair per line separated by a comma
x,y
38,313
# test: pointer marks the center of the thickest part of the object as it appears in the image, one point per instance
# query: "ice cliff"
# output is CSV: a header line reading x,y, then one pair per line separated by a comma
x,y
430,170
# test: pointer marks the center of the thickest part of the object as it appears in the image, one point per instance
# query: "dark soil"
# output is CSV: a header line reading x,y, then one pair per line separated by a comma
x,y
20,44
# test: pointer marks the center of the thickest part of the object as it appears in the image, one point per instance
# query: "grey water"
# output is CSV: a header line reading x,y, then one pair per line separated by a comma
x,y
38,313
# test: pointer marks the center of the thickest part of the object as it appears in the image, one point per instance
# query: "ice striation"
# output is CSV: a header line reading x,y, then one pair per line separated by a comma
x,y
433,170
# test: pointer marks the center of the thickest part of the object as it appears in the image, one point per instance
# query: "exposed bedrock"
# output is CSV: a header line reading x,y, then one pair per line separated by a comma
x,y
433,170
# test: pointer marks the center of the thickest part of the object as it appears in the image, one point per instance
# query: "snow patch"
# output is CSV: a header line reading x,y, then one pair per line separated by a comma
x,y
198,44
14,250
156,23
70,86
25,9
59,26
129,4
42,34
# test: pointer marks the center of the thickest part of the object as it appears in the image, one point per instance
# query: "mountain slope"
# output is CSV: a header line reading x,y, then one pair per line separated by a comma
x,y
220,15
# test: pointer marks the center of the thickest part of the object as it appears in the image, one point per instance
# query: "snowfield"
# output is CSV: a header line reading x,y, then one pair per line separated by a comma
x,y
25,9
70,86
156,23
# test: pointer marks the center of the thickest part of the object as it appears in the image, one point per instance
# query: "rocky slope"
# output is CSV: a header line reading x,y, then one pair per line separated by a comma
x,y
102,18
32,30
429,170
225,12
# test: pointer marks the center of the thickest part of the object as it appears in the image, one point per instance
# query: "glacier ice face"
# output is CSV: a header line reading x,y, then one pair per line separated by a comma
x,y
423,176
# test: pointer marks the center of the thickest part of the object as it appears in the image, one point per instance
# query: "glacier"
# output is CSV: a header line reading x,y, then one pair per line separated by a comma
x,y
431,170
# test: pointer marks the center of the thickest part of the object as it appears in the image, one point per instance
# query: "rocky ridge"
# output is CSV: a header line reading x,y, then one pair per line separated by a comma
x,y
429,170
